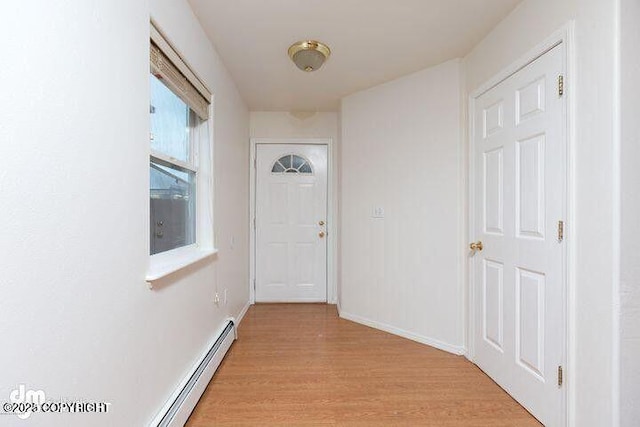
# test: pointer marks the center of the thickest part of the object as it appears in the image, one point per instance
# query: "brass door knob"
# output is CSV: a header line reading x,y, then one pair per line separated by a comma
x,y
321,234
476,246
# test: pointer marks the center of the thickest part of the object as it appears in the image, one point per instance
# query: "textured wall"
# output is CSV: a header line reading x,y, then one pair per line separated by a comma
x,y
401,150
77,317
630,227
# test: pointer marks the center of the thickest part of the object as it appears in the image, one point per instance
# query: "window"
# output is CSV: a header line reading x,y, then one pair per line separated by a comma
x,y
292,163
173,170
179,163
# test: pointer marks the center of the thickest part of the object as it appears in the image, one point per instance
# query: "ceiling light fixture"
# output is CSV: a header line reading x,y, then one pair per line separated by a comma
x,y
309,55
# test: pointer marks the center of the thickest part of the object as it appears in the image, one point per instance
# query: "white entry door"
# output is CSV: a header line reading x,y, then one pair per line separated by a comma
x,y
518,274
291,223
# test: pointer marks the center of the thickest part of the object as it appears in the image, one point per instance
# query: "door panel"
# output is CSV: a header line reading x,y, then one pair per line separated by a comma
x,y
493,187
291,202
530,313
493,303
530,196
520,196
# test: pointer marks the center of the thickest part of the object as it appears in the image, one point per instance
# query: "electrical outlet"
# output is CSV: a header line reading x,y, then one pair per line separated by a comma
x,y
377,212
216,299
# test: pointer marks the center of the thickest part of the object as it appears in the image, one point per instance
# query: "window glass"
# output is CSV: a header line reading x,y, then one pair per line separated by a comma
x,y
171,120
277,168
173,205
297,162
306,168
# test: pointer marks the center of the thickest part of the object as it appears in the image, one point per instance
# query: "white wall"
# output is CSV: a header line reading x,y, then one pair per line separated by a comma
x,y
591,376
77,319
401,149
529,24
630,227
283,124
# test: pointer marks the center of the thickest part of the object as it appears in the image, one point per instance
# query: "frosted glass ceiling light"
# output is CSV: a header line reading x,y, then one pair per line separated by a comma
x,y
309,55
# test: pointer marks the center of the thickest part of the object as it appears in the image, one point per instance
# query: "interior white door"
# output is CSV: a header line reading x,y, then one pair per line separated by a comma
x,y
291,223
520,193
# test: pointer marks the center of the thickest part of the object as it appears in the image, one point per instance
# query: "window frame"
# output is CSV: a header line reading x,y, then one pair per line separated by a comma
x,y
200,163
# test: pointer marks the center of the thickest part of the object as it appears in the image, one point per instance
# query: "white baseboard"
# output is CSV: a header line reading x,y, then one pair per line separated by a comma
x,y
292,301
457,350
240,316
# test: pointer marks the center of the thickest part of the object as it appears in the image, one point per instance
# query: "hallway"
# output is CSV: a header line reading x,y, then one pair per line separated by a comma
x,y
303,365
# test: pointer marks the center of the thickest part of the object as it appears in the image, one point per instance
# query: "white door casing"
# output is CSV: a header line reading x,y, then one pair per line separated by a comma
x,y
519,146
291,223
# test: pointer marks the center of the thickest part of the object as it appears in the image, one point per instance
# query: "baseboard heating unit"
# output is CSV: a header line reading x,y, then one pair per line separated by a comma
x,y
178,408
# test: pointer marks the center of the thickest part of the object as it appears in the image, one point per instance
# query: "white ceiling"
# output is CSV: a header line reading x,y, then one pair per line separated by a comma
x,y
372,41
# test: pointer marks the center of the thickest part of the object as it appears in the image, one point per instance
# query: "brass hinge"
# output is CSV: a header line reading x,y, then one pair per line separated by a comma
x,y
560,231
560,376
560,85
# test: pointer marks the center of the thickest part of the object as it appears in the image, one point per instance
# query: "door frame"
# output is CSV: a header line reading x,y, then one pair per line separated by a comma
x,y
332,214
564,38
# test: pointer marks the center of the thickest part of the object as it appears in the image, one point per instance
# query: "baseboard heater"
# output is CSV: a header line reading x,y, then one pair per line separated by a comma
x,y
177,410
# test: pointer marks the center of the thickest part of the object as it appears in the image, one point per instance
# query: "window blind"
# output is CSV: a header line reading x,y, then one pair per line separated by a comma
x,y
172,73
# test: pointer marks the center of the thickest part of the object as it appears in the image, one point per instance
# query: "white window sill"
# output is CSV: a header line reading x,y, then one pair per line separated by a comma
x,y
166,263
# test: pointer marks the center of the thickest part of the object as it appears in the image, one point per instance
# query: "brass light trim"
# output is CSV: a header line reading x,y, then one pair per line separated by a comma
x,y
302,61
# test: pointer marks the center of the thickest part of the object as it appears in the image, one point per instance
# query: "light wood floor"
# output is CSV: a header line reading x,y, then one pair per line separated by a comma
x,y
299,364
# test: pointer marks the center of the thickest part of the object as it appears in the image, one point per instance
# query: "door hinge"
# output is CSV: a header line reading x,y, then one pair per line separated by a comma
x,y
560,85
560,376
254,223
560,231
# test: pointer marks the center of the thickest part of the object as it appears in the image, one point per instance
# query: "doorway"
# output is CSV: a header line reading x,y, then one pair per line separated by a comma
x,y
518,267
291,222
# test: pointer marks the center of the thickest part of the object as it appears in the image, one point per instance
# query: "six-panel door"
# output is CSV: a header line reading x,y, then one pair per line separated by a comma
x,y
291,217
519,194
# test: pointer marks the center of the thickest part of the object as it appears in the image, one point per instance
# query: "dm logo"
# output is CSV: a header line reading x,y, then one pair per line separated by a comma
x,y
32,397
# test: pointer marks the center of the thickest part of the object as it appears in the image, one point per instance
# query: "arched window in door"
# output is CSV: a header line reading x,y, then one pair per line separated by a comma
x,y
292,163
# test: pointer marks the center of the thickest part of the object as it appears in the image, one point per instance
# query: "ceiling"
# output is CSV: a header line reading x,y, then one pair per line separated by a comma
x,y
372,42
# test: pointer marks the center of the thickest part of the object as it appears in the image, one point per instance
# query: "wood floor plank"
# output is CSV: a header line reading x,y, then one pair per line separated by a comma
x,y
301,365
